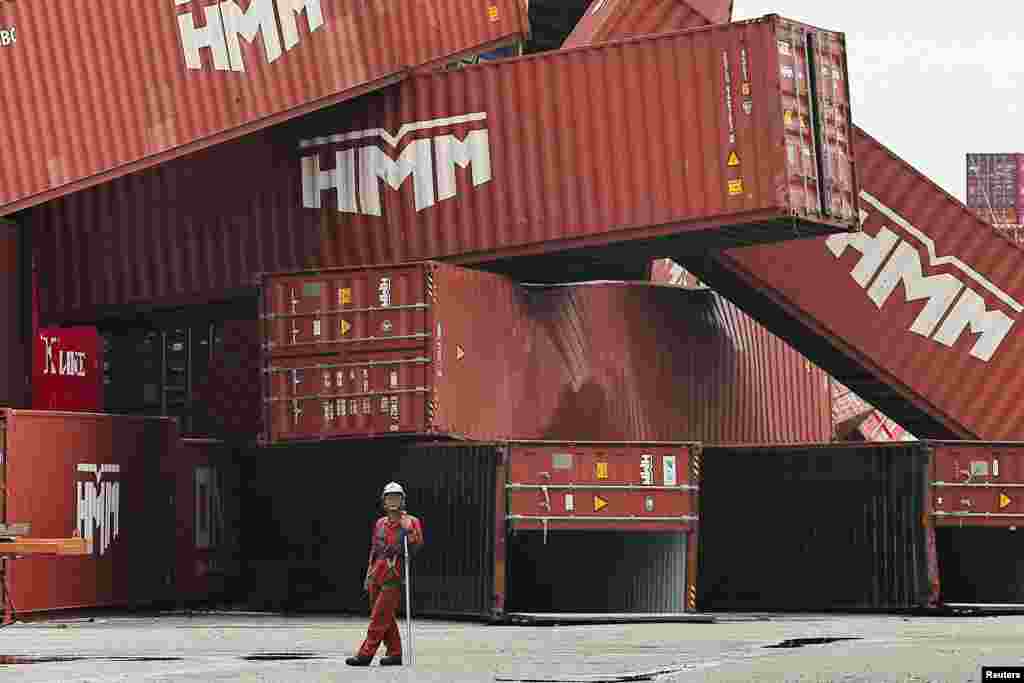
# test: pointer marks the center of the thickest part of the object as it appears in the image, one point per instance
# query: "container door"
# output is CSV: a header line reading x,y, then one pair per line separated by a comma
x,y
978,486
816,121
629,488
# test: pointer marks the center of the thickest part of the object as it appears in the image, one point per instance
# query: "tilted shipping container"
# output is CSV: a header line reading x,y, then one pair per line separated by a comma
x,y
900,525
124,482
606,20
506,525
925,294
429,349
90,112
524,156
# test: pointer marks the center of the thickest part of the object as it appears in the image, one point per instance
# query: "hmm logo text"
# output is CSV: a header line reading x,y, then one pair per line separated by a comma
x,y
955,302
226,22
99,505
358,172
64,363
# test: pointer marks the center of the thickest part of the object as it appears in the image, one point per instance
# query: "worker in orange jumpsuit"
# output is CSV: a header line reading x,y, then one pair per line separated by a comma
x,y
385,575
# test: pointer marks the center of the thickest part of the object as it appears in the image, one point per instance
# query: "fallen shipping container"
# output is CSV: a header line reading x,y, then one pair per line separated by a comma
x,y
867,526
604,20
507,525
918,314
122,482
216,80
507,159
433,350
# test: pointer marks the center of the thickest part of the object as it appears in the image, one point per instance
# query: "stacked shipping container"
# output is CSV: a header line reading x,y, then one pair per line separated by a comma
x,y
995,187
514,175
508,525
128,484
435,350
213,85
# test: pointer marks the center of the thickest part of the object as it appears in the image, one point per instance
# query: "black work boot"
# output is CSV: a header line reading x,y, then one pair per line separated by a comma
x,y
359,660
391,660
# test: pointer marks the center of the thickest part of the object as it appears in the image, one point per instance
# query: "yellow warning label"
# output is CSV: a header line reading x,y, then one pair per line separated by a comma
x,y
599,503
787,117
460,353
344,296
601,470
734,159
492,12
1004,500
345,327
735,187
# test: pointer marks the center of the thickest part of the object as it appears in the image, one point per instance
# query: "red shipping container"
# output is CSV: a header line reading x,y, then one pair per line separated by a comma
x,y
433,349
200,476
606,20
67,369
507,182
977,484
94,475
925,294
214,79
13,356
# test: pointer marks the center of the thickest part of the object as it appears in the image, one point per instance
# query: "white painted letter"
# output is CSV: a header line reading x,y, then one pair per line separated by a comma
x,y
475,150
905,266
993,326
288,9
873,250
341,178
211,36
258,19
374,164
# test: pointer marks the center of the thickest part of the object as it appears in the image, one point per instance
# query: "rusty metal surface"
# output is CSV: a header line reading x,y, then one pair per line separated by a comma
x,y
625,487
614,19
94,474
926,294
14,369
543,172
89,112
611,361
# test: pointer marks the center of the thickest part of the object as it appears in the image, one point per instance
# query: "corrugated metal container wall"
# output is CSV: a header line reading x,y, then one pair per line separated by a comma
x,y
298,539
94,474
13,357
211,224
204,556
844,528
925,293
608,20
614,361
212,85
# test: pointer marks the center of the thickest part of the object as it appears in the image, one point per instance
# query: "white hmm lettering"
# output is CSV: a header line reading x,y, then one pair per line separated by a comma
x,y
376,166
226,22
889,262
98,506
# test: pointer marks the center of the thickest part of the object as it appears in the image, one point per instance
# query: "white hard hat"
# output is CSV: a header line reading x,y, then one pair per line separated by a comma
x,y
393,487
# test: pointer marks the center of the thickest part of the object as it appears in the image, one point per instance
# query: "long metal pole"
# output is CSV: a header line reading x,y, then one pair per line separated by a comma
x,y
408,599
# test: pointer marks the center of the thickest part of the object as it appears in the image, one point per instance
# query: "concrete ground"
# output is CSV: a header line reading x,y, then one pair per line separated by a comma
x,y
249,647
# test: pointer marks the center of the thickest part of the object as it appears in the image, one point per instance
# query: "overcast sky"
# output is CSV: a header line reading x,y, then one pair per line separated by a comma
x,y
930,80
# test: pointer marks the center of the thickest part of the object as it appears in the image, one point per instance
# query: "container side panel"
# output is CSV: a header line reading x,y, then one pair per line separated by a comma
x,y
926,292
867,534
223,70
94,475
